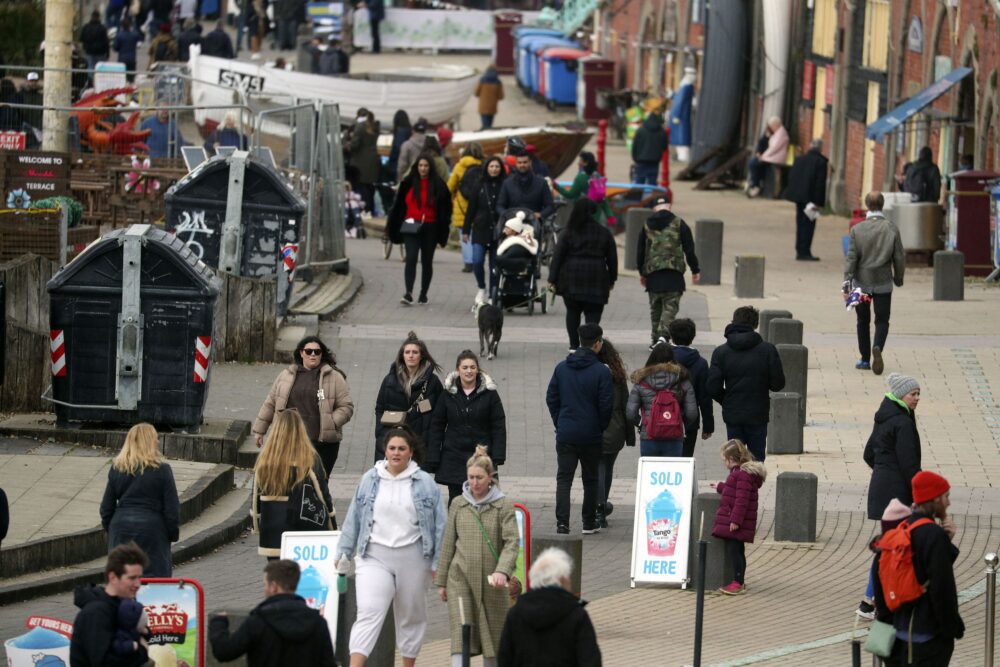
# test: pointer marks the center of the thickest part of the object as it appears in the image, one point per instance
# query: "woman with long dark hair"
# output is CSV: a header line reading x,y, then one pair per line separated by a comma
x,y
420,219
318,390
661,373
408,393
581,186
401,131
481,221
584,268
619,432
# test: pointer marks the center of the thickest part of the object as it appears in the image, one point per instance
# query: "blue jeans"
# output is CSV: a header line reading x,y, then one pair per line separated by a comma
x,y
754,436
486,120
661,447
467,252
757,172
646,173
479,264
240,31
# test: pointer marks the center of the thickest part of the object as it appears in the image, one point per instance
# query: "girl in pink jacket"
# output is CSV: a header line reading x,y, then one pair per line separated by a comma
x,y
736,518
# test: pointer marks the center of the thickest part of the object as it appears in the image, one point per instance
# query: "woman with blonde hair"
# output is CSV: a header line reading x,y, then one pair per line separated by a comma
x,y
140,500
290,489
477,560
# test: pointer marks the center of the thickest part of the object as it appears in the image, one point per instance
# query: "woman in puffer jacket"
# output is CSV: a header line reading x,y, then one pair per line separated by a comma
x,y
661,372
472,156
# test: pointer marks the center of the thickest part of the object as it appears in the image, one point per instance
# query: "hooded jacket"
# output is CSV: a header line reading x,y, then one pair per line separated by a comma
x,y
739,502
697,369
893,454
619,432
666,280
461,422
409,151
459,204
94,630
482,215
527,191
548,627
282,630
489,90
94,37
744,370
650,140
392,397
580,398
584,265
657,378
875,257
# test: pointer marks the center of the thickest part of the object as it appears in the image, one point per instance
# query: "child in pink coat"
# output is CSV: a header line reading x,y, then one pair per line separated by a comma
x,y
736,518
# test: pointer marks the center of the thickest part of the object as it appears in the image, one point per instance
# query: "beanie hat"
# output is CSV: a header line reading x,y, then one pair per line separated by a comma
x,y
894,513
900,385
516,223
928,485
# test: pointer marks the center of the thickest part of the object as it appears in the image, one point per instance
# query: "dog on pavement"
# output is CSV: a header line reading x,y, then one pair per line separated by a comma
x,y
490,320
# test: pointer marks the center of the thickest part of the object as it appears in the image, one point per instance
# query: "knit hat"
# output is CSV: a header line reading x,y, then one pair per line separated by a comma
x,y
516,223
900,385
894,513
928,485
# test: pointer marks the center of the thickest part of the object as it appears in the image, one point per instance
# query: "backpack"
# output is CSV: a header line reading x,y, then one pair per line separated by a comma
x,y
468,187
664,421
597,188
895,567
663,249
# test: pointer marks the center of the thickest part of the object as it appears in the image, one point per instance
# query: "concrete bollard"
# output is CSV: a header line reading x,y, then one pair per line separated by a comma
x,y
795,362
785,330
749,277
764,321
384,653
571,544
949,275
784,432
635,219
795,507
236,619
719,568
708,248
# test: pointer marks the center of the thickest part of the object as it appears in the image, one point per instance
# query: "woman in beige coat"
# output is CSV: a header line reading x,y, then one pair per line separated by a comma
x,y
477,560
317,390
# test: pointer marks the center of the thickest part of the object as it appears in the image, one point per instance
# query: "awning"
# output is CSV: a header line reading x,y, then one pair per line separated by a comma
x,y
912,106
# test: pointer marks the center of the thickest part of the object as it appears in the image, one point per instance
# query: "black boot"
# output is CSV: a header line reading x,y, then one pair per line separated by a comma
x,y
600,517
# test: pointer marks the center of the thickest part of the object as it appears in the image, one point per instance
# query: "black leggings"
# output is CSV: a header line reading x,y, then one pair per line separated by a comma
x,y
328,452
590,311
420,245
736,553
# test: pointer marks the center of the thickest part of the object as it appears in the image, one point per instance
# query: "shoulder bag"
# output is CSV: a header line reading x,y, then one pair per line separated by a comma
x,y
307,509
394,418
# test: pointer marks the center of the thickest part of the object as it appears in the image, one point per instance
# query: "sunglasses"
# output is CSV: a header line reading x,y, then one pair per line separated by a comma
x,y
312,351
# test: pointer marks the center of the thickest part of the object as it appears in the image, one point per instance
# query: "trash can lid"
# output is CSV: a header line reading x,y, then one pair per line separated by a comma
x,y
563,53
180,271
262,185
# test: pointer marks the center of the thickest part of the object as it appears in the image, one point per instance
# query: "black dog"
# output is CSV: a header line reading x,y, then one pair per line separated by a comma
x,y
490,319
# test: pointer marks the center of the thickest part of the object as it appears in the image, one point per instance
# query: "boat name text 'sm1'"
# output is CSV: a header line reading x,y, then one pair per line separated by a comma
x,y
245,82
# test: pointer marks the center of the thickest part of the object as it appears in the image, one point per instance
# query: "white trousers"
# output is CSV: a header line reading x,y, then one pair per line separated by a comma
x,y
397,576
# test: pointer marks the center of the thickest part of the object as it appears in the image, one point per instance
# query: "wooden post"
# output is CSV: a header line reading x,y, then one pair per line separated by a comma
x,y
602,139
58,60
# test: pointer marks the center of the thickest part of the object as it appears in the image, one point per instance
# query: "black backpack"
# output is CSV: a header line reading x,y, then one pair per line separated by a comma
x,y
471,180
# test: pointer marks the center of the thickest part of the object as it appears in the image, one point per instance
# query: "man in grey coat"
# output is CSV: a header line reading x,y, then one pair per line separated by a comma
x,y
411,149
875,262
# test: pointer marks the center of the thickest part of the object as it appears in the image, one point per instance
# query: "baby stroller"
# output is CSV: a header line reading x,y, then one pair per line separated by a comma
x,y
518,280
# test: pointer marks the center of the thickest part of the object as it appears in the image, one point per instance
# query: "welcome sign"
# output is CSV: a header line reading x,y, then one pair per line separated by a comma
x,y
661,532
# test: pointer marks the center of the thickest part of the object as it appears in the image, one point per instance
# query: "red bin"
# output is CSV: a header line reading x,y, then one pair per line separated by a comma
x,y
594,73
969,219
503,43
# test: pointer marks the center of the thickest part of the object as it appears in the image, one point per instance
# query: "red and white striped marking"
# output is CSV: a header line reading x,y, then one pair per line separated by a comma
x,y
57,348
202,353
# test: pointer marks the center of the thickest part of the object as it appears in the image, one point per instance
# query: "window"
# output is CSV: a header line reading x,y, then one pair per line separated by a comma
x,y
876,47
824,28
819,107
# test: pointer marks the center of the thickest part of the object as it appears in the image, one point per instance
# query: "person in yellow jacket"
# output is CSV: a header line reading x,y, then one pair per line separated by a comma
x,y
472,156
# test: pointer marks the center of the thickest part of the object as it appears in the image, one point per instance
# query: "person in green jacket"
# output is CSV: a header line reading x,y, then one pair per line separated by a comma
x,y
580,187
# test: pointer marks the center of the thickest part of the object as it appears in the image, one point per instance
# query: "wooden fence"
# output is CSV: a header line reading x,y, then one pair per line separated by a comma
x,y
26,362
245,320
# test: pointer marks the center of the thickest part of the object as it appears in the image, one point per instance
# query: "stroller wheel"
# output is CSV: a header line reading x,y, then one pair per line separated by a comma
x,y
386,247
545,302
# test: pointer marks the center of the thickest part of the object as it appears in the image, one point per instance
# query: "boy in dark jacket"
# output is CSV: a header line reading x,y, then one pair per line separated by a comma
x,y
580,398
281,630
649,144
743,373
929,625
682,333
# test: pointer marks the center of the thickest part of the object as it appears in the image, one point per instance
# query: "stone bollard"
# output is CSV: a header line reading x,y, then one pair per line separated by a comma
x,y
571,544
785,330
784,432
635,219
795,362
795,507
384,653
708,248
719,568
764,321
749,277
949,275
236,619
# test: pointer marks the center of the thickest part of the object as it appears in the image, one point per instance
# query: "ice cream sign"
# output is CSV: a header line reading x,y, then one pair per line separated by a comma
x,y
661,531
316,554
167,623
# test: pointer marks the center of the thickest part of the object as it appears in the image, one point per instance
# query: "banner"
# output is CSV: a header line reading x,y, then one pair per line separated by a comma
x,y
661,532
176,612
316,553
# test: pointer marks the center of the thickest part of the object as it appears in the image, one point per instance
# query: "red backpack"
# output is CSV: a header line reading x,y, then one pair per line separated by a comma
x,y
895,566
664,420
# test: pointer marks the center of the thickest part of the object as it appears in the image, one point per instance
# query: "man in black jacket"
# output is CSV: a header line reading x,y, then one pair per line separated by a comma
x,y
96,623
929,625
190,36
649,143
922,179
282,630
94,38
744,370
580,397
807,189
217,43
682,332
664,243
523,189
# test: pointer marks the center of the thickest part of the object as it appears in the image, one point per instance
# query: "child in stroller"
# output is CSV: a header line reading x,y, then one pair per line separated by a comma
x,y
516,261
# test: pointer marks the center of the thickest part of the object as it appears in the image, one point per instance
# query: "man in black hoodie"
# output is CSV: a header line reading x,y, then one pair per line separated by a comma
x,y
649,143
217,43
524,189
682,332
580,398
190,36
282,630
94,38
664,243
743,373
95,625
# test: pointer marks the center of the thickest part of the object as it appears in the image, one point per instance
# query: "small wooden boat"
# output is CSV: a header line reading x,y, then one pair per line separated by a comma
x,y
556,145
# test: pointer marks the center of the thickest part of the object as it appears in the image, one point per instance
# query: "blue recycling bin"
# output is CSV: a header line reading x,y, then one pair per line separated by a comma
x,y
561,69
522,33
526,54
533,47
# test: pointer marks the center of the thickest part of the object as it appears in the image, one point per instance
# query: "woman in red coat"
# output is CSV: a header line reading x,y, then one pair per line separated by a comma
x,y
736,518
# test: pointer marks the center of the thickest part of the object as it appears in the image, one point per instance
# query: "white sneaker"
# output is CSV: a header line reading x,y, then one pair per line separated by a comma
x,y
480,296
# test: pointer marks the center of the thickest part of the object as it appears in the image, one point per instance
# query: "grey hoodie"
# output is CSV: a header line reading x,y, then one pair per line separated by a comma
x,y
661,376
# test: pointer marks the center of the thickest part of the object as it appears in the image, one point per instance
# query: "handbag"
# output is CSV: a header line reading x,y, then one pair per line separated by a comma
x,y
307,509
410,226
393,418
881,638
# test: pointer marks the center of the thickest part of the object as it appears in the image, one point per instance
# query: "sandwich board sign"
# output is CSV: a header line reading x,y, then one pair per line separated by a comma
x,y
661,531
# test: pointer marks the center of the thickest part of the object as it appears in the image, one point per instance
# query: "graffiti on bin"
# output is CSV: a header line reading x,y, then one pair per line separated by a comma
x,y
192,223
